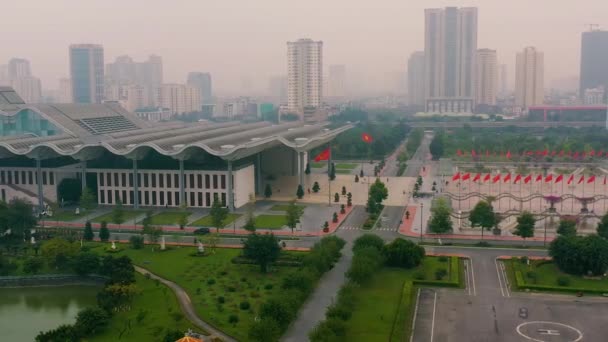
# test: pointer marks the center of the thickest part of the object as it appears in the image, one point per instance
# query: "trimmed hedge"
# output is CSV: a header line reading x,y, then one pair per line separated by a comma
x,y
403,310
454,280
522,285
280,262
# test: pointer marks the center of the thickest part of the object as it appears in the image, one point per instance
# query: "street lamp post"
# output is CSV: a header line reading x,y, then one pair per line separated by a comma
x,y
421,214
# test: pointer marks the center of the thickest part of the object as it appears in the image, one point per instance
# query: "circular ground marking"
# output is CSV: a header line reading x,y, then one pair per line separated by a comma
x,y
540,331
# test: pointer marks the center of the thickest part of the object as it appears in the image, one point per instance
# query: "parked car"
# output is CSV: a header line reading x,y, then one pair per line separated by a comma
x,y
202,231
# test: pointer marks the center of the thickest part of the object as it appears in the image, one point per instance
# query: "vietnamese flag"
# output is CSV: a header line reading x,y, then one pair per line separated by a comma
x,y
496,178
473,153
575,155
517,179
367,138
509,154
559,178
582,179
324,155
486,178
549,178
591,179
528,179
545,152
570,179
539,178
466,176
456,177
477,177
507,178
592,153
459,152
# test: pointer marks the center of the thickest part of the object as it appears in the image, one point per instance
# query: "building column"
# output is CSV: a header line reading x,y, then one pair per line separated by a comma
x,y
135,186
230,188
258,172
301,169
40,192
83,175
182,192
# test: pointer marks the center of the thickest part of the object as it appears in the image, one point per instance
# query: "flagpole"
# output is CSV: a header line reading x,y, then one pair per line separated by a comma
x,y
572,199
561,208
594,193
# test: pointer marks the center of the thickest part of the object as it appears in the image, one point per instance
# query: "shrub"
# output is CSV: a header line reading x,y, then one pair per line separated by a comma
x,y
523,260
440,273
243,279
419,275
403,253
368,240
231,289
365,262
244,305
91,321
221,300
443,258
223,273
210,281
334,218
563,281
137,241
233,319
268,287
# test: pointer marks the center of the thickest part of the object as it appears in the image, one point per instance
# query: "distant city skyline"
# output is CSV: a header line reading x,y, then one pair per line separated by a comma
x,y
392,31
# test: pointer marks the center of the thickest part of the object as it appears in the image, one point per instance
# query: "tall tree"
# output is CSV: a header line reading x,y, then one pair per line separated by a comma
x,y
267,191
219,214
332,172
440,222
104,232
525,225
20,219
436,146
300,191
88,232
483,216
118,214
602,227
87,201
263,248
567,228
293,214
377,193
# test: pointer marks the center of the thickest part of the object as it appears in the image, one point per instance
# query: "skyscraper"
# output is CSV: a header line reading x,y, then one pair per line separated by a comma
x,y
337,80
450,50
86,70
503,79
19,68
20,78
487,77
202,81
529,78
179,98
65,90
304,76
594,60
415,79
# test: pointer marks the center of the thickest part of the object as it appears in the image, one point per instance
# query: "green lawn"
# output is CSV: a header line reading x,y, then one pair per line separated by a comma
x,y
270,221
66,215
348,166
128,216
168,217
207,278
283,207
206,221
377,302
318,165
161,309
544,273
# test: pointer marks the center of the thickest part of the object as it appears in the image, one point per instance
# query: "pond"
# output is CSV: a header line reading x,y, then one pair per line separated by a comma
x,y
26,311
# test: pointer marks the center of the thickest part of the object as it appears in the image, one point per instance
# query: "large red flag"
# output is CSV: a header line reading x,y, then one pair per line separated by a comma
x,y
507,177
548,178
539,178
477,177
575,155
486,178
591,179
466,176
559,178
473,153
496,178
367,138
592,153
570,179
604,180
545,152
456,176
528,179
582,179
509,154
324,155
458,152
517,179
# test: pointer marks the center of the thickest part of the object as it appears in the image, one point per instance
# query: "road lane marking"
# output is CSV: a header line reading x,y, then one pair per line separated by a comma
x,y
415,314
433,321
529,338
473,277
466,278
504,276
502,292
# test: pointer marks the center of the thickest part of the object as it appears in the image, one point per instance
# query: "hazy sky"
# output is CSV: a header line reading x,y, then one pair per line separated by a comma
x,y
245,39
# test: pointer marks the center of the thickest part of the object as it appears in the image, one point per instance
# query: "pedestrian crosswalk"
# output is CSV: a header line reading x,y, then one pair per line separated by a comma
x,y
359,228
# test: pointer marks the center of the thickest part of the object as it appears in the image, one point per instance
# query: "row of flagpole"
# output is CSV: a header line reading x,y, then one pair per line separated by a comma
x,y
543,153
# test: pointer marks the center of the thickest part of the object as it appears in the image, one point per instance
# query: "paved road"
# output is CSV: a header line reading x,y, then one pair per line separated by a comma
x,y
486,124
186,305
390,218
415,163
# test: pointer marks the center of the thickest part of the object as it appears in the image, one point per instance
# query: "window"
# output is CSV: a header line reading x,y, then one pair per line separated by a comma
x,y
177,199
153,176
52,178
207,182
139,179
223,199
44,177
200,199
116,183
192,202
176,181
16,177
109,179
123,179
2,180
117,196
199,179
146,197
10,177
30,178
215,181
124,197
23,181
145,180
192,181
162,196
161,181
169,198
109,196
168,180
130,179
139,197
101,179
153,197
223,179
102,197
131,198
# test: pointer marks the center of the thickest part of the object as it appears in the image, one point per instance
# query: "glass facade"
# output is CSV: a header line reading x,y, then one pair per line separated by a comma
x,y
27,121
87,69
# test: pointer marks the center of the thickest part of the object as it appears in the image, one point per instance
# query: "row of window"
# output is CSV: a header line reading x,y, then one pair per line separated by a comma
x,y
160,180
26,177
160,198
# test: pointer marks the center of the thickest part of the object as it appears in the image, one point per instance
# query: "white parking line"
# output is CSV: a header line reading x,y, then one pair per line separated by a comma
x,y
473,277
499,280
415,314
504,276
466,278
433,321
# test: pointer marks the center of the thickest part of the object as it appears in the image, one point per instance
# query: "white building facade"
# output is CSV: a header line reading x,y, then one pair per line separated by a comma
x,y
487,77
529,78
179,98
304,76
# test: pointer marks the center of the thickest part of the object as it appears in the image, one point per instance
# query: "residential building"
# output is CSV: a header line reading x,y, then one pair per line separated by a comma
x,y
154,114
125,72
179,98
136,97
487,77
87,73
19,68
337,81
450,50
202,81
65,91
503,79
529,78
304,77
4,80
236,108
594,61
415,79
594,96
29,88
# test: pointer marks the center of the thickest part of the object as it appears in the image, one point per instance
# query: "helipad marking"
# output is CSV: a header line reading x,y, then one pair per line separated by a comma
x,y
518,329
